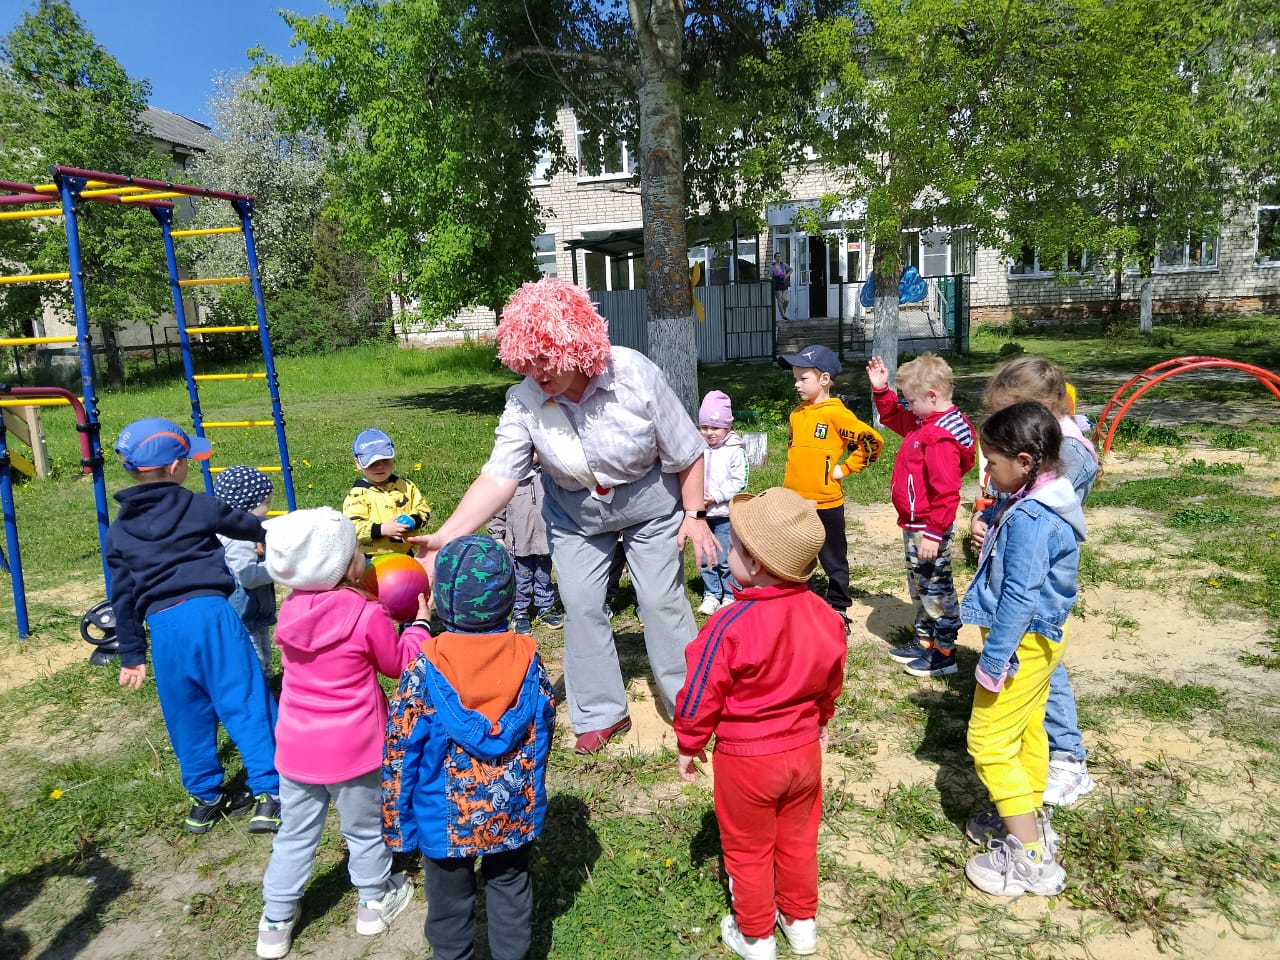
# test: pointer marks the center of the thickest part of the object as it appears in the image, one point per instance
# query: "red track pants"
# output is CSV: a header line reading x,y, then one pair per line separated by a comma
x,y
768,809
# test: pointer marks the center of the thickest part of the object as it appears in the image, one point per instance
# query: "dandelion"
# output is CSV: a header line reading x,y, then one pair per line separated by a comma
x,y
1213,582
55,794
1139,810
417,467
310,485
306,463
669,862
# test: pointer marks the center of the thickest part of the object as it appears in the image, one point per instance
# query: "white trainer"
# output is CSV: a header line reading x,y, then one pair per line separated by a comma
x,y
710,605
766,948
374,916
1006,870
802,935
1069,780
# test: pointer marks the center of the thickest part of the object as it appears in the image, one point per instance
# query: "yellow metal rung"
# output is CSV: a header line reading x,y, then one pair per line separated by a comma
x,y
239,423
263,469
35,402
211,280
53,187
192,331
158,195
200,377
205,232
276,513
35,278
32,341
111,192
29,214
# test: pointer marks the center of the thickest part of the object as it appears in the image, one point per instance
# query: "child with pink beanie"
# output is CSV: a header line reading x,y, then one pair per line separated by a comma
x,y
724,475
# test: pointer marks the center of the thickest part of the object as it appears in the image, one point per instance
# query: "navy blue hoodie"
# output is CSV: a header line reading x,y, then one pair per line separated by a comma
x,y
163,549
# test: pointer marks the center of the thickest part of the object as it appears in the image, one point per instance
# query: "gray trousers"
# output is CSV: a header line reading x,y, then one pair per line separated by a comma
x,y
304,808
582,532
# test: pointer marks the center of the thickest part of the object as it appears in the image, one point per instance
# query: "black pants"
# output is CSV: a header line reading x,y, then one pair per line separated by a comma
x,y
451,896
834,557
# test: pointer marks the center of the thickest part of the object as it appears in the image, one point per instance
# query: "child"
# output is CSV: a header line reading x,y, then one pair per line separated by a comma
x,y
937,451
464,775
763,677
169,570
1020,597
724,474
254,598
384,507
1037,379
334,641
821,430
520,528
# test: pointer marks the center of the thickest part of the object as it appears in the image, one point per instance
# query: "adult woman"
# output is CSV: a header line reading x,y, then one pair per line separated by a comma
x,y
619,455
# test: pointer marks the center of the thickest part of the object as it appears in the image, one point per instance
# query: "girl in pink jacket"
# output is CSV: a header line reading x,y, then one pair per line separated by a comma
x,y
335,639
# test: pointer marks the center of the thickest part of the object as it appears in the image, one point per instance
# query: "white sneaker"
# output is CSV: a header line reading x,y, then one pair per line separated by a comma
x,y
727,599
374,916
275,936
1069,780
766,948
802,935
710,605
1005,870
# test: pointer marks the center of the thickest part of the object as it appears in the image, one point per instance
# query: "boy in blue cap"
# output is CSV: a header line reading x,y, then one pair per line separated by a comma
x,y
168,570
384,507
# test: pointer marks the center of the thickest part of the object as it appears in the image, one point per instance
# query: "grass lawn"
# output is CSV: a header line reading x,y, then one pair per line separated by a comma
x,y
1175,656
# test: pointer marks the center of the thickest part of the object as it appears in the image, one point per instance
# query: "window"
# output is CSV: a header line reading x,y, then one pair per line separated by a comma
x,y
1268,237
910,253
616,161
544,251
1028,263
613,273
1189,252
541,169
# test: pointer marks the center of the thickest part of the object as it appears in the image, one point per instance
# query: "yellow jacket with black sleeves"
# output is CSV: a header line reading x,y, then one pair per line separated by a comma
x,y
823,435
369,506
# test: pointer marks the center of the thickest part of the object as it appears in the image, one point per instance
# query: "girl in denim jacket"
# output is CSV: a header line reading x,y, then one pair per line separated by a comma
x,y
1020,597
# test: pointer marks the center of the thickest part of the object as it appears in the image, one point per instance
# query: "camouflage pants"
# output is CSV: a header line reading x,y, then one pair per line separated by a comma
x,y
933,593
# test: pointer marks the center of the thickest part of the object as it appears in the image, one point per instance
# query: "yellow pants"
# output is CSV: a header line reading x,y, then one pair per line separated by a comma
x,y
1007,741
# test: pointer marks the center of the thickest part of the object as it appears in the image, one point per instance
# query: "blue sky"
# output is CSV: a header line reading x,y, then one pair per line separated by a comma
x,y
181,45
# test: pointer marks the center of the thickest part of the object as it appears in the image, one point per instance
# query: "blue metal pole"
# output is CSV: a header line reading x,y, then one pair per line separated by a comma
x,y
11,539
245,209
69,188
164,216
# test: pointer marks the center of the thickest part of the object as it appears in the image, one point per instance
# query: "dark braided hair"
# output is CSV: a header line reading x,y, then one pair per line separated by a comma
x,y
1027,427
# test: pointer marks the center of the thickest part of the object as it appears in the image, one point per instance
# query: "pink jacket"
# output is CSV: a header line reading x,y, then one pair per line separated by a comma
x,y
333,714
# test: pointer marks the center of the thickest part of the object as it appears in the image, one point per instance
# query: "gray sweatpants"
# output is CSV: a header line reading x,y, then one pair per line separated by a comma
x,y
303,810
582,532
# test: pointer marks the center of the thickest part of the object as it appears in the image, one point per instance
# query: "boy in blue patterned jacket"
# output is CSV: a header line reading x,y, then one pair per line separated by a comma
x,y
464,772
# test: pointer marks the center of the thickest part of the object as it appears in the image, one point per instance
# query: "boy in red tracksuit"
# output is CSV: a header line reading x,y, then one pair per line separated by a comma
x,y
938,449
763,676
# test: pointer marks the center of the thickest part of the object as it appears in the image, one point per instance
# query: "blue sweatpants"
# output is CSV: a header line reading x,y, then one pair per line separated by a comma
x,y
206,671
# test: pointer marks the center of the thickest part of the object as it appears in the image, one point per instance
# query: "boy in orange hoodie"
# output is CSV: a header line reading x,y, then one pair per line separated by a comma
x,y
826,443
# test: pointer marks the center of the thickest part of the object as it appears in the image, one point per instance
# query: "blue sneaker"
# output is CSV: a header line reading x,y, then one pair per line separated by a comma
x,y
912,651
934,664
520,624
549,618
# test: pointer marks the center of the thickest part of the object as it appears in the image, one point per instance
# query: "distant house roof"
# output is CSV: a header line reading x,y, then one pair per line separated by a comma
x,y
178,130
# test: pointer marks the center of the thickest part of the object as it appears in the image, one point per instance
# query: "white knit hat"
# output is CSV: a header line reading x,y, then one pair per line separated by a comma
x,y
309,549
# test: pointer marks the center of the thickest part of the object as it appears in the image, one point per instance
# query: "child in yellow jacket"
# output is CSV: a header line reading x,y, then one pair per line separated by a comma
x,y
827,442
384,507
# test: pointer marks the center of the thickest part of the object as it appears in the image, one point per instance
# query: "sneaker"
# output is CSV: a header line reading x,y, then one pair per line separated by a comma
x,y
275,936
1005,870
374,916
802,935
933,664
520,623
266,814
608,613
205,813
912,651
549,618
1069,780
988,825
766,948
727,599
710,605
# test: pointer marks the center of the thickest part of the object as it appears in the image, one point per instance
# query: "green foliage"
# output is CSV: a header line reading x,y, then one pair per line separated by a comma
x,y
1011,349
65,100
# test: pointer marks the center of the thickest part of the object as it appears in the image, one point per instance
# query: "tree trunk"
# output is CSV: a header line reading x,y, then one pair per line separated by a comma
x,y
1145,285
659,28
111,353
884,340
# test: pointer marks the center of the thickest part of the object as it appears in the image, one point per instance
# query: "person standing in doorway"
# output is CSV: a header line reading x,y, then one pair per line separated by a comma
x,y
780,273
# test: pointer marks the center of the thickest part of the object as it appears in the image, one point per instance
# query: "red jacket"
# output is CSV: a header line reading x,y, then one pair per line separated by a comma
x,y
935,455
763,673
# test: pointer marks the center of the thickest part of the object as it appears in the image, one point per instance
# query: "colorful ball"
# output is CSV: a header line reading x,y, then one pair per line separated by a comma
x,y
396,580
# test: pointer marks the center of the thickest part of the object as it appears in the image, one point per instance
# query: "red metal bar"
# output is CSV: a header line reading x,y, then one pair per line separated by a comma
x,y
1181,365
128,181
17,198
15,185
77,407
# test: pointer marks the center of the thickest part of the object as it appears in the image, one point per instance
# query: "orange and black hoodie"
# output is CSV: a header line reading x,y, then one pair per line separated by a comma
x,y
821,434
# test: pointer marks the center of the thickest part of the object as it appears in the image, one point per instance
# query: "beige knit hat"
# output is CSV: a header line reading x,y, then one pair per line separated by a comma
x,y
781,529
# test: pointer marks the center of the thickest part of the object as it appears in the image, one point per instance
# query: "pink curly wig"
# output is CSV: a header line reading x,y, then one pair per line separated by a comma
x,y
553,321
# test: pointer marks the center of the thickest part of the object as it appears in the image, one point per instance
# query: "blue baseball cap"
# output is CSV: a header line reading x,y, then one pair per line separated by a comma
x,y
371,446
154,442
815,355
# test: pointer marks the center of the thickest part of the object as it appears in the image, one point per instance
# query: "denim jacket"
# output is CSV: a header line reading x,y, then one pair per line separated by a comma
x,y
1026,579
